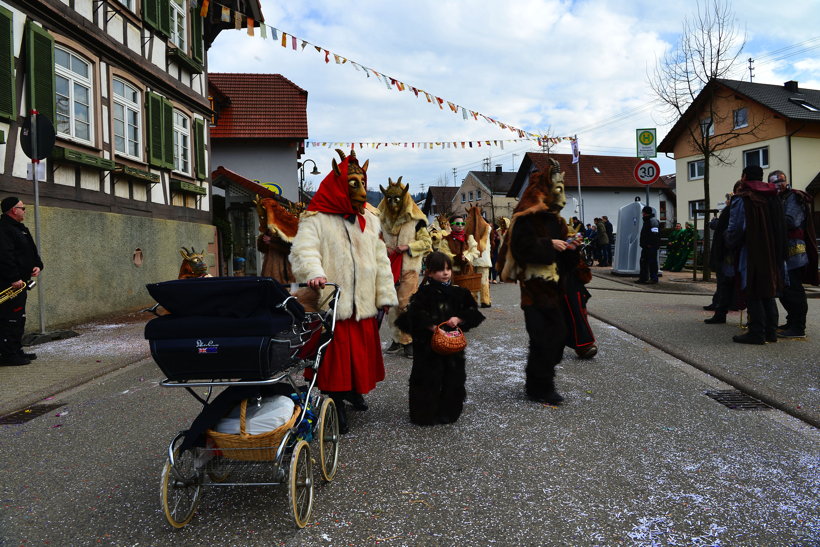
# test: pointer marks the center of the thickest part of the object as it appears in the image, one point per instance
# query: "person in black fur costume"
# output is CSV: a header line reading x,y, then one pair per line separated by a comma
x,y
437,381
538,255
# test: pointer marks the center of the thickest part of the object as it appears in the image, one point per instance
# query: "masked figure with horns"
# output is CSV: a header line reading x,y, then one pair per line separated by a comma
x,y
404,231
338,241
537,255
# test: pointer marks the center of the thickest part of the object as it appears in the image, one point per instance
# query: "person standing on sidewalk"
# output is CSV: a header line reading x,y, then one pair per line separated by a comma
x,y
722,262
801,256
602,240
650,243
19,262
610,235
757,231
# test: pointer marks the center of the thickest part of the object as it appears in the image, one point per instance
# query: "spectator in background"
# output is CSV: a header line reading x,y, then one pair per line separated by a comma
x,y
722,263
801,255
602,240
610,234
757,231
650,243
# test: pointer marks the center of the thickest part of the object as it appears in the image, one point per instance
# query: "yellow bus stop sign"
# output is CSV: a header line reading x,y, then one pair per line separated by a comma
x,y
647,143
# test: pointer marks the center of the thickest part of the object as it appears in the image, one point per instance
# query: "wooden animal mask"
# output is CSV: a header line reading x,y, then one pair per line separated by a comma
x,y
394,196
193,264
276,220
356,180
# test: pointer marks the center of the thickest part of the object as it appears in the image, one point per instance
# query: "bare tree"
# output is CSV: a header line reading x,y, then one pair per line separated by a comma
x,y
684,78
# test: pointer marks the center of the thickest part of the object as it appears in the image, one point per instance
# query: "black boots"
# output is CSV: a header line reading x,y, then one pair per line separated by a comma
x,y
715,319
339,398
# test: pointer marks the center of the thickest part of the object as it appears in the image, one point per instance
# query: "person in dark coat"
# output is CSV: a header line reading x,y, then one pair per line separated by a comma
x,y
722,262
19,262
650,243
801,256
757,231
437,391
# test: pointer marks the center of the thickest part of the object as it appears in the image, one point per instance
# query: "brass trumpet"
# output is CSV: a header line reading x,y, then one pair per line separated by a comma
x,y
11,292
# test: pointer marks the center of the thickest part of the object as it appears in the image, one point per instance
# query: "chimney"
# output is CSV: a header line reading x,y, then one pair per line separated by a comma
x,y
498,169
791,85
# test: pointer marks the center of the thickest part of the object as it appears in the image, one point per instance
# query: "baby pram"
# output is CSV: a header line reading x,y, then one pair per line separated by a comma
x,y
249,335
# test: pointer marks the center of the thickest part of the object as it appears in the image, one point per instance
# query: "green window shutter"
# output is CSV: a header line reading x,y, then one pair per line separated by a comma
x,y
7,102
150,12
164,16
156,131
168,132
199,145
40,70
197,45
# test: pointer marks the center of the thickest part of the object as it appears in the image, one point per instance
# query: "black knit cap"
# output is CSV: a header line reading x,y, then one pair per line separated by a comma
x,y
648,209
8,203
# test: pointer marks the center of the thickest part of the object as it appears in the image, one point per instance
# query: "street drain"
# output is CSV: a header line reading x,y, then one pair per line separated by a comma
x,y
737,400
22,416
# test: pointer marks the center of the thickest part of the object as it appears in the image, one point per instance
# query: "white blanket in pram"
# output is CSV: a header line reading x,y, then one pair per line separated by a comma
x,y
260,417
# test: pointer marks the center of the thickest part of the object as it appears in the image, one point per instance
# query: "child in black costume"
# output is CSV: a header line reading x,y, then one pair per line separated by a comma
x,y
437,381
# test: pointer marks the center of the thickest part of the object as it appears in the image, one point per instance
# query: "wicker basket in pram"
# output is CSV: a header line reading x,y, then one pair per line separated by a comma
x,y
246,447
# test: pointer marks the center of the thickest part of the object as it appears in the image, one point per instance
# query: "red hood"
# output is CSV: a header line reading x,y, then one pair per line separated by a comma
x,y
332,196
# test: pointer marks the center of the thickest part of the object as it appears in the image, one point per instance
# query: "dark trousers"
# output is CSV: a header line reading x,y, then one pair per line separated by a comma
x,y
762,316
605,259
12,325
547,331
794,300
649,263
724,293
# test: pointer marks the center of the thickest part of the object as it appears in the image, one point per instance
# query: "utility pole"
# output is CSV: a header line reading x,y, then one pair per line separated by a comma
x,y
454,178
751,70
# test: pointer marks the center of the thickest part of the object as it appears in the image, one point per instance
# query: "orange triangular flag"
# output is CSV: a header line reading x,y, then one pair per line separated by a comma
x,y
203,11
250,26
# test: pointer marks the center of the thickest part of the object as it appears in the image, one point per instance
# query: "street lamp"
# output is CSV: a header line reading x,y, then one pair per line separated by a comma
x,y
301,166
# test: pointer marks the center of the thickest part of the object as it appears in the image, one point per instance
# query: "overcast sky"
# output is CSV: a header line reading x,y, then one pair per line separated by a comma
x,y
545,66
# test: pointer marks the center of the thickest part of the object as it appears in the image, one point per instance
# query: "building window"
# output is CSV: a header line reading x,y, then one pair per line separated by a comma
x,y
758,156
478,195
741,118
471,195
697,205
73,96
696,169
463,197
127,3
802,103
182,143
178,27
127,116
707,127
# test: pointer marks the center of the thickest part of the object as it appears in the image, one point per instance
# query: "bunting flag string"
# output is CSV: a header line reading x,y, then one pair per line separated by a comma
x,y
390,83
432,145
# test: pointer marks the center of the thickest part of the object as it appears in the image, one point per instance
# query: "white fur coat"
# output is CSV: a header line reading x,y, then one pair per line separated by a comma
x,y
329,246
484,260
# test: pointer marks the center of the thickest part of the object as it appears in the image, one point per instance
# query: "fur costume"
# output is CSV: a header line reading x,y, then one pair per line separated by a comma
x,y
403,225
436,393
341,243
462,253
481,230
529,257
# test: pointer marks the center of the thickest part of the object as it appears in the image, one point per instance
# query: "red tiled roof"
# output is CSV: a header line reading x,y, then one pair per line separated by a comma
x,y
596,171
262,106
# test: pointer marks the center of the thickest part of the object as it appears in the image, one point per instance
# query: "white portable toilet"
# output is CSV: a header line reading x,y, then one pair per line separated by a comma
x,y
627,244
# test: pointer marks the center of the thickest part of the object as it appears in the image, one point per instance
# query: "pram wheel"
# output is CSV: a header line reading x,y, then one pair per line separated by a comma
x,y
328,439
300,485
181,487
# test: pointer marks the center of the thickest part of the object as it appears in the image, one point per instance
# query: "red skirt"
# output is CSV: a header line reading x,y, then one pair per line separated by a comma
x,y
353,360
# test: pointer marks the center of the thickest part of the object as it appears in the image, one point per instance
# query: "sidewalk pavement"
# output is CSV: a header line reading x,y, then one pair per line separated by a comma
x,y
668,315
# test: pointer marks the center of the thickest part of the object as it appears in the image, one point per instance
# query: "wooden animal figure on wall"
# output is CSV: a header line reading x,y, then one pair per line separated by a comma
x,y
193,264
278,224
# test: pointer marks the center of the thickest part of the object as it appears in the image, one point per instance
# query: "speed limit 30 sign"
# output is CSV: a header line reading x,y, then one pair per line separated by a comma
x,y
647,172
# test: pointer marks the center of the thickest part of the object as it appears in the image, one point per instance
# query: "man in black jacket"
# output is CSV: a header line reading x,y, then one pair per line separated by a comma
x,y
19,262
650,243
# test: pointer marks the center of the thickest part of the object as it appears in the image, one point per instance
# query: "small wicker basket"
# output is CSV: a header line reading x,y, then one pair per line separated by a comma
x,y
471,282
248,447
447,342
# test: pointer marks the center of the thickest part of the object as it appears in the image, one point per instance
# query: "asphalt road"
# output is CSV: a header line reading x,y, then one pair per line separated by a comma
x,y
638,455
